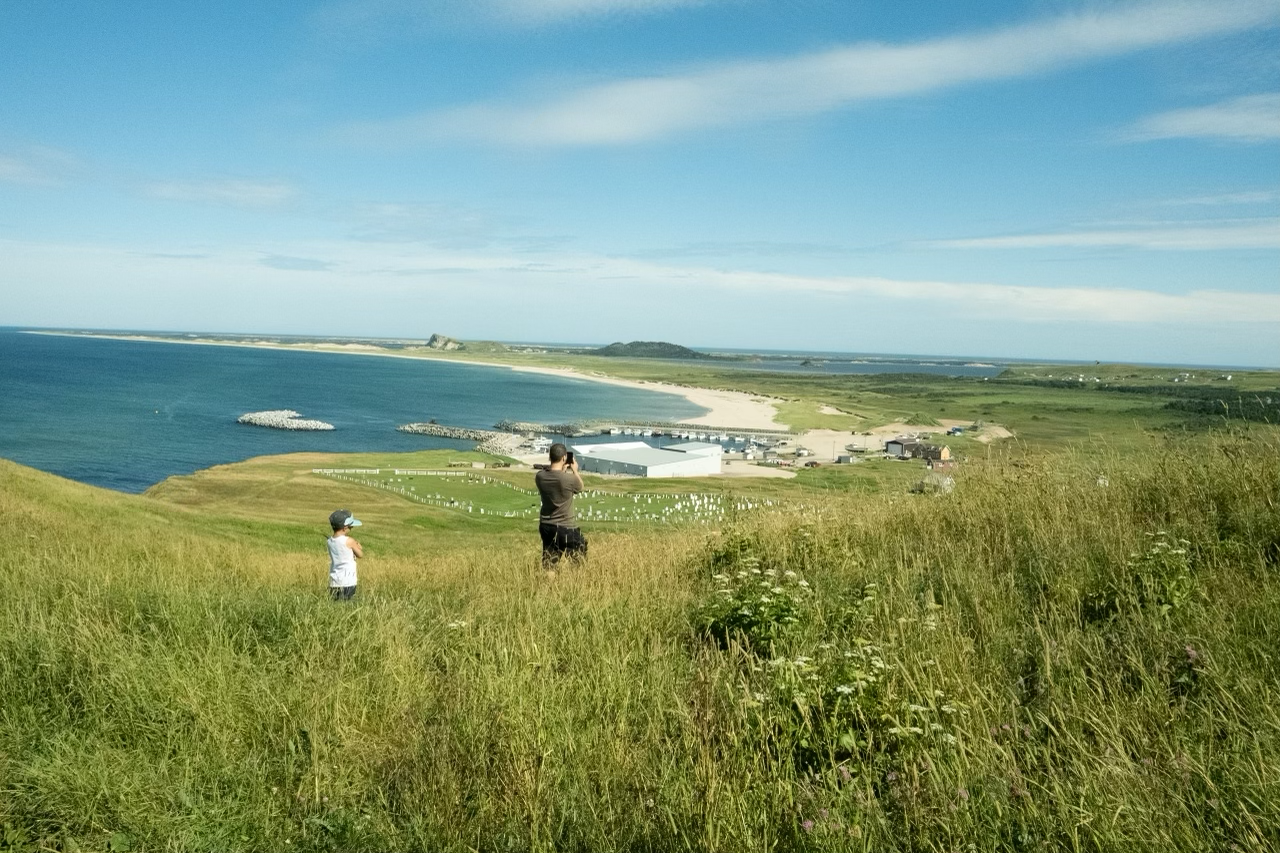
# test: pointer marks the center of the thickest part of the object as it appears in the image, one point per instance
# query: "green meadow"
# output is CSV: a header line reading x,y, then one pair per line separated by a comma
x,y
1072,650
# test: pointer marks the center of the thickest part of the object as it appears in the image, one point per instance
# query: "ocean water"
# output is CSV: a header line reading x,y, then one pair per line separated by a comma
x,y
127,414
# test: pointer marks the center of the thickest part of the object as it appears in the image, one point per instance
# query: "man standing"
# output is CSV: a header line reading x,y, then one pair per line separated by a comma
x,y
557,484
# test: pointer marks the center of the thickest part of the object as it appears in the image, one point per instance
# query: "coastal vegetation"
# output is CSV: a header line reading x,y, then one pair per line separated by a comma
x,y
1069,651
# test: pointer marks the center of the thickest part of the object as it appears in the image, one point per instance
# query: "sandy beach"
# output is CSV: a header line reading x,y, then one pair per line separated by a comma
x,y
729,409
726,409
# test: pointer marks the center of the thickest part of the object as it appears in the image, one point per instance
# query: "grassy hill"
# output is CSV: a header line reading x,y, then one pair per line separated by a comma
x,y
1067,652
648,349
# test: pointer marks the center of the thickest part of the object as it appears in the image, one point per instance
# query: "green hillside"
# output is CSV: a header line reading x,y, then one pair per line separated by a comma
x,y
1066,652
648,349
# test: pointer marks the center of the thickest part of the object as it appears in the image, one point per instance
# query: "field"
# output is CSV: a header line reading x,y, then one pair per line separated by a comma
x,y
1073,649
1070,651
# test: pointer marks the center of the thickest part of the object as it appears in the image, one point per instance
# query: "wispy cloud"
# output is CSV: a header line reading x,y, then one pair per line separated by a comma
x,y
1185,237
1226,199
231,192
1014,303
1252,118
538,11
650,108
289,262
390,274
37,167
370,20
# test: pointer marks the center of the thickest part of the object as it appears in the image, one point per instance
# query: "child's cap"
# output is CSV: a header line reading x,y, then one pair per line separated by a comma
x,y
340,518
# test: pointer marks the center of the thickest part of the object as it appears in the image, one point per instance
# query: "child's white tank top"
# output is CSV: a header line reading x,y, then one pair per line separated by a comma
x,y
342,562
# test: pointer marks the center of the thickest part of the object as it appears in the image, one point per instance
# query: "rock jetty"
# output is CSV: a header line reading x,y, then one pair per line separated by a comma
x,y
282,419
489,441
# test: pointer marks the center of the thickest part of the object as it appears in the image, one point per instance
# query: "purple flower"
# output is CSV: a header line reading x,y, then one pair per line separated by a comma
x,y
807,826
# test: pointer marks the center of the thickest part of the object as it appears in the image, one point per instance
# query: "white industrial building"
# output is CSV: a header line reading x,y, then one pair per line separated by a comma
x,y
637,459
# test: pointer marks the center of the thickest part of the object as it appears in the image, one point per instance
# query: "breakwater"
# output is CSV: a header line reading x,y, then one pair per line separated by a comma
x,y
282,419
495,442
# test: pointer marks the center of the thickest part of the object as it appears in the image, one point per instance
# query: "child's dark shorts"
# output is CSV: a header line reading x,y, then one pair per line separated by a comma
x,y
342,593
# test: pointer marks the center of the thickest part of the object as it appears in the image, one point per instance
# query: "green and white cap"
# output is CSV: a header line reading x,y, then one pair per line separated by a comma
x,y
340,518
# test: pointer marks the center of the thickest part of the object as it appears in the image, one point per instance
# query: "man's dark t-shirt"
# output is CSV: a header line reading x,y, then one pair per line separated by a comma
x,y
557,489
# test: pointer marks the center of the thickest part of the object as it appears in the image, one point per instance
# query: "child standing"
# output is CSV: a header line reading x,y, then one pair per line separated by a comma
x,y
343,553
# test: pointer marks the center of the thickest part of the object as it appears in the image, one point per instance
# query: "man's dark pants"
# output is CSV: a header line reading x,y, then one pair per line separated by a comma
x,y
560,542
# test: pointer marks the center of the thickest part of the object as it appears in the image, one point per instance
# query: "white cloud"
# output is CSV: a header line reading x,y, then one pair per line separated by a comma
x,y
1223,199
548,10
37,167
1252,118
371,20
395,275
1250,234
648,108
234,193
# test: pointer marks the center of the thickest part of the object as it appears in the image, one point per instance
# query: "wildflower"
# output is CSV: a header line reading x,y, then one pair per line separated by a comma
x,y
788,574
949,739
963,793
803,583
759,697
934,727
917,708
456,624
807,826
948,709
777,590
777,662
844,689
801,660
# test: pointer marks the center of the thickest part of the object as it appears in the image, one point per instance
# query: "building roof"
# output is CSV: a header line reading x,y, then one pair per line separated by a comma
x,y
698,448
633,453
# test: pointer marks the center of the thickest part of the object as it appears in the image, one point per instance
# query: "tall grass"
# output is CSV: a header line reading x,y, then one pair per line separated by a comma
x,y
1064,653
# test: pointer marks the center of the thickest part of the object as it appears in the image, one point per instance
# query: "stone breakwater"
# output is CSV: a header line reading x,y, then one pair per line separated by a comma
x,y
488,441
282,419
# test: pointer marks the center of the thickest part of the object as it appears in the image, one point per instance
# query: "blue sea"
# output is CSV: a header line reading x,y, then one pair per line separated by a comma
x,y
127,414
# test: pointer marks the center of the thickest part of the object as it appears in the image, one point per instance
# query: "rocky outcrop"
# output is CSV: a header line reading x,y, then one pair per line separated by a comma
x,y
445,343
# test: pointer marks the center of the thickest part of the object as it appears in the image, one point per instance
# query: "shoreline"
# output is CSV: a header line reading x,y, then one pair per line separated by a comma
x,y
729,409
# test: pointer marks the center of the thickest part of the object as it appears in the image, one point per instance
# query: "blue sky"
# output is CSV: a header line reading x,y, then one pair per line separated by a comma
x,y
1052,178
